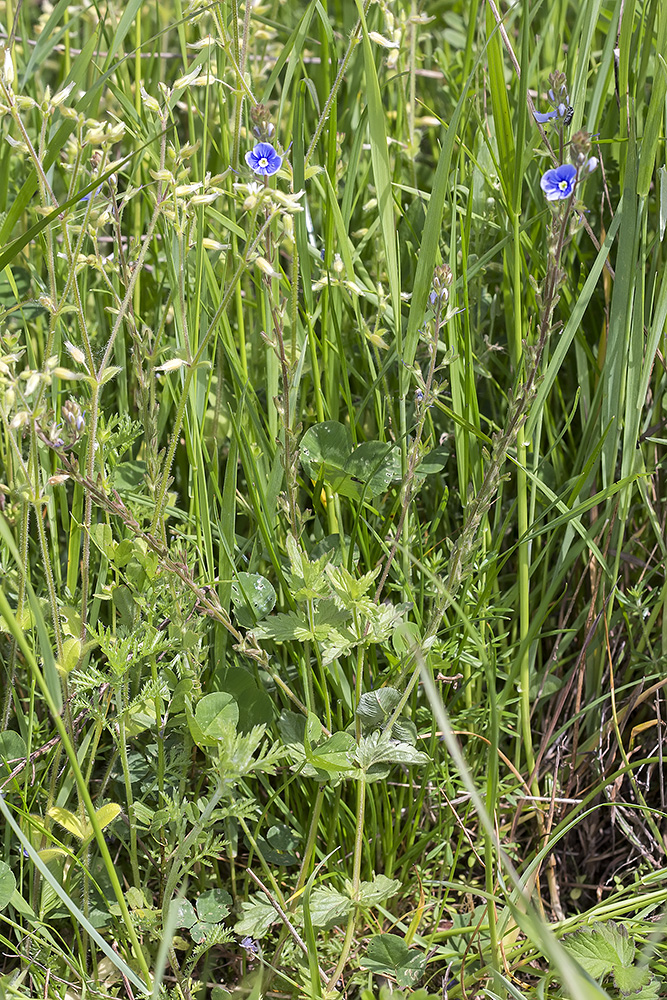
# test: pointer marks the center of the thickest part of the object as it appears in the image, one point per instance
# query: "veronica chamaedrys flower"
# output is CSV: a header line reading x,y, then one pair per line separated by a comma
x,y
564,112
263,159
559,183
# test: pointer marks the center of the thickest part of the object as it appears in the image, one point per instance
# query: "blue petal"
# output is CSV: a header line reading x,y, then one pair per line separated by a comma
x,y
546,117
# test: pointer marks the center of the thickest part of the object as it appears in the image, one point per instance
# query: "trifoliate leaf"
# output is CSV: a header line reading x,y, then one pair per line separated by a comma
x,y
388,955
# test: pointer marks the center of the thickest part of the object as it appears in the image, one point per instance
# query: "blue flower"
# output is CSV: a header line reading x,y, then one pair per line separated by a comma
x,y
564,112
559,183
263,159
546,117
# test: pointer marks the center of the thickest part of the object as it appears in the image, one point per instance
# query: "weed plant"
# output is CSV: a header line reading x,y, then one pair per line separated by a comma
x,y
332,390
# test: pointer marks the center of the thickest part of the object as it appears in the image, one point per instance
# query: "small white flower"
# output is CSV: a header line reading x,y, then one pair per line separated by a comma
x,y
62,95
7,72
379,39
172,365
75,353
149,101
266,267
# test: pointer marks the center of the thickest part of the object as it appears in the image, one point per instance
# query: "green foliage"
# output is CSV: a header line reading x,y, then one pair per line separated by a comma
x,y
388,955
7,884
606,952
332,500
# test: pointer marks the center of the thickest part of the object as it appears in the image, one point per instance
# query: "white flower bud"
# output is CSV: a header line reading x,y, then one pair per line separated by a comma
x,y
62,95
149,101
75,353
266,268
172,365
7,71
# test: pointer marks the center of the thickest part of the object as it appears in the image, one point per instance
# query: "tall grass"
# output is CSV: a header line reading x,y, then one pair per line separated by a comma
x,y
332,531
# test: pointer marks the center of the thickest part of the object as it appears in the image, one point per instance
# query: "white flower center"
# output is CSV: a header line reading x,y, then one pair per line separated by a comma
x,y
263,162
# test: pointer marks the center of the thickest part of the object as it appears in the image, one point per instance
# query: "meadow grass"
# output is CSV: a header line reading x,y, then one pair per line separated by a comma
x,y
332,517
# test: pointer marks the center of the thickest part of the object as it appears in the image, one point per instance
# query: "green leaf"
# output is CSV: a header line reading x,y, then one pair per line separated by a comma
x,y
253,598
200,930
388,955
184,912
324,450
382,176
101,536
292,728
284,627
255,706
124,604
376,892
328,907
214,905
502,119
375,707
376,465
405,638
434,461
602,949
256,918
129,476
7,884
335,754
216,717
279,845
379,748
12,748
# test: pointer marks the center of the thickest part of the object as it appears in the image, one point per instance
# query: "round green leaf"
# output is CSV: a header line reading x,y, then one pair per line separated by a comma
x,y
253,598
213,906
12,748
7,884
324,450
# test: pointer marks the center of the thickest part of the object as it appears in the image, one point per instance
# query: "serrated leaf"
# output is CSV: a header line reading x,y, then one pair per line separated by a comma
x,y
213,905
601,948
375,707
328,907
389,955
630,980
376,892
284,627
379,748
334,754
256,918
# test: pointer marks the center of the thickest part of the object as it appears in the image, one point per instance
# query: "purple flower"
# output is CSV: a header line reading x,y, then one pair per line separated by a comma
x,y
559,183
263,159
